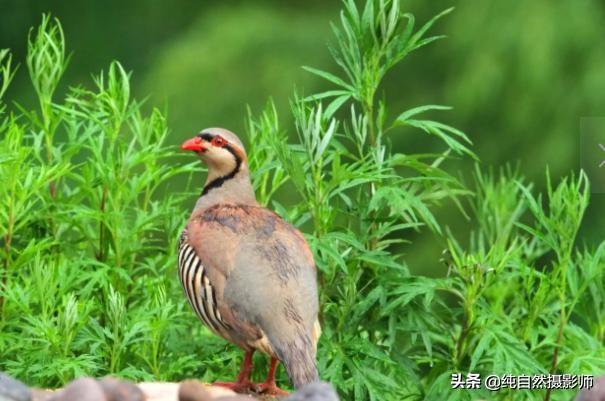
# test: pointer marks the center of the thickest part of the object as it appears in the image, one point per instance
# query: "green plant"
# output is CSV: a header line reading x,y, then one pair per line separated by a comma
x,y
86,256
90,216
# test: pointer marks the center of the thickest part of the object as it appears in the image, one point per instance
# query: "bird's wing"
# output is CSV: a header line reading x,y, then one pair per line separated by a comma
x,y
261,270
205,260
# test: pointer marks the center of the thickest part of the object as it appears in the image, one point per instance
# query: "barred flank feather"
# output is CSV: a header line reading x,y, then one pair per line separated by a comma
x,y
198,289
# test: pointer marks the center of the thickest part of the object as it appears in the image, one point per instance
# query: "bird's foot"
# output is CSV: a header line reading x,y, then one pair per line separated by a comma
x,y
270,388
241,387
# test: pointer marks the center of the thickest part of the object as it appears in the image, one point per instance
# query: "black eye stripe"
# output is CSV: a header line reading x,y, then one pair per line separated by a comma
x,y
206,136
209,137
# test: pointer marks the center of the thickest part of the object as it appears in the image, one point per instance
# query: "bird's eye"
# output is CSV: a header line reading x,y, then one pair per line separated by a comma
x,y
219,141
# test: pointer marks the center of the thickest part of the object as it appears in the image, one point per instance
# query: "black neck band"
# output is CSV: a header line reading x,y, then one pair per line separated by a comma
x,y
219,181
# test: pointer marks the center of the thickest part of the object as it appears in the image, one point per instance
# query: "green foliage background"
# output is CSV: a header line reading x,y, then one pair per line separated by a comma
x,y
520,76
93,197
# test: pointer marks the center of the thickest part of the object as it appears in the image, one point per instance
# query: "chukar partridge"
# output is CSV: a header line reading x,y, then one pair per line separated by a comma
x,y
248,275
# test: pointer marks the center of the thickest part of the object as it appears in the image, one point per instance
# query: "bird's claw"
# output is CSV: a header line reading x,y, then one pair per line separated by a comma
x,y
270,389
240,387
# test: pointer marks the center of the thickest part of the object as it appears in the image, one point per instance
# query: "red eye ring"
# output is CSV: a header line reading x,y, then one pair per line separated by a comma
x,y
218,141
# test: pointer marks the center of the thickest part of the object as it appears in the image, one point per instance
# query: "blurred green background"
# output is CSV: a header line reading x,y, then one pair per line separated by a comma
x,y
519,74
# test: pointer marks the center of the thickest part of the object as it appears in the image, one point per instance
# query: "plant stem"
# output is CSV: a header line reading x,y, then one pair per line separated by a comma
x,y
555,358
562,323
368,109
100,253
466,329
7,251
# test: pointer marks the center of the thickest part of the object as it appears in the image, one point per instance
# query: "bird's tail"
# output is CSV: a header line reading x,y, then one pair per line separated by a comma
x,y
298,357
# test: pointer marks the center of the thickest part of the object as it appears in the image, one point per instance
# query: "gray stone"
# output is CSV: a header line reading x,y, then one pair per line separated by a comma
x,y
319,391
162,391
84,389
193,390
13,390
120,390
240,397
596,393
39,394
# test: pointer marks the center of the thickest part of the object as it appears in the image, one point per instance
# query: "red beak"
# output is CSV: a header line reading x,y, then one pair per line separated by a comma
x,y
194,144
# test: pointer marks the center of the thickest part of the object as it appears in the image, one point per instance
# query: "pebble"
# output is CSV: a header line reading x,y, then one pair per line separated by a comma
x,y
40,394
13,390
596,393
120,390
193,390
319,391
163,391
83,389
241,398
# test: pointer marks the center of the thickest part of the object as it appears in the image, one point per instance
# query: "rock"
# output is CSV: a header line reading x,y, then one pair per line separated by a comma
x,y
83,389
170,391
13,390
320,391
160,391
240,397
596,393
39,394
120,390
193,390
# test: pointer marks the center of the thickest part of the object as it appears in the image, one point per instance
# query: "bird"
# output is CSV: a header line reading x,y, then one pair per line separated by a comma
x,y
249,276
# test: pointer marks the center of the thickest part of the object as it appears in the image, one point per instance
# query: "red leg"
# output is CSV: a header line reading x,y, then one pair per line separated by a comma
x,y
243,383
269,387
